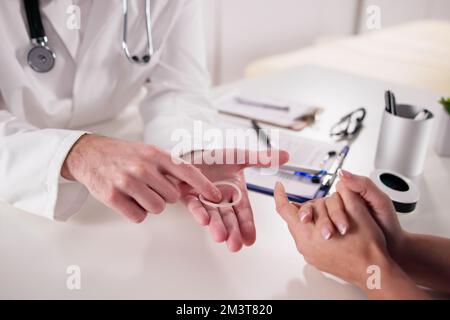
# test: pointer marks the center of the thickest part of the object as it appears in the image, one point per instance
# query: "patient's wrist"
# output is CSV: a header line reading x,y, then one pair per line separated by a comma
x,y
374,264
379,273
401,249
390,281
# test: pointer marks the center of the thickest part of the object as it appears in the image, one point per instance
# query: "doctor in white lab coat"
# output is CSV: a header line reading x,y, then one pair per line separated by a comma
x,y
48,165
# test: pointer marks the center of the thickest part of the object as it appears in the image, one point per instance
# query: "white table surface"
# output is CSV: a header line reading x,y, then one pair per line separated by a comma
x,y
170,257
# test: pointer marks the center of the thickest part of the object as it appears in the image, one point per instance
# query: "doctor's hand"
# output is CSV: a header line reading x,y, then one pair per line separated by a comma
x,y
132,178
235,225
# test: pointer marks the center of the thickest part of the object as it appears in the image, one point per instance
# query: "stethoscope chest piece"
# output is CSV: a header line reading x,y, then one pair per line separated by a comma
x,y
41,58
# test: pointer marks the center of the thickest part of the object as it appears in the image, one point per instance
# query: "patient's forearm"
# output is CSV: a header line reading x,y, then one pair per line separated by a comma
x,y
427,260
394,284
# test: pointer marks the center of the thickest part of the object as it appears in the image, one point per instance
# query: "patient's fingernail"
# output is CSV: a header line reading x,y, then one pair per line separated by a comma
x,y
345,174
306,214
342,229
326,233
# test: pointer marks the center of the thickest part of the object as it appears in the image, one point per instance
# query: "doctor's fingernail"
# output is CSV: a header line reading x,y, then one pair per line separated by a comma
x,y
326,234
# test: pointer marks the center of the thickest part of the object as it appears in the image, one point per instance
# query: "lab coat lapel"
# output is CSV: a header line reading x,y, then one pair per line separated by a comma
x,y
56,12
137,14
102,11
157,8
101,42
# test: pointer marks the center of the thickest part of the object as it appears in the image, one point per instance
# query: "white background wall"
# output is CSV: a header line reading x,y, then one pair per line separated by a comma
x,y
241,31
401,11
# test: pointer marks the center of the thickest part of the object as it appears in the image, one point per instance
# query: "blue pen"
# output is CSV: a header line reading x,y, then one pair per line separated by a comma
x,y
309,173
315,177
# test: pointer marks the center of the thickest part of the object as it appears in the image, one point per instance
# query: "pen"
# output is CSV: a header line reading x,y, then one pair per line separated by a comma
x,y
328,180
261,134
393,104
387,99
422,115
262,104
294,168
314,177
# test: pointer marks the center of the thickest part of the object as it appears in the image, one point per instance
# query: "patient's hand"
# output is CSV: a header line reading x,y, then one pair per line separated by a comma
x,y
347,257
379,205
405,248
353,256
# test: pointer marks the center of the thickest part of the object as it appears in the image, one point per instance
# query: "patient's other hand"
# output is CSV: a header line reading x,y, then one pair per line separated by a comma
x,y
380,207
347,257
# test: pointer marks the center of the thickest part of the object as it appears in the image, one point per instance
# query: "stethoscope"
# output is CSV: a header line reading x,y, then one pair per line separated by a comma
x,y
41,58
349,126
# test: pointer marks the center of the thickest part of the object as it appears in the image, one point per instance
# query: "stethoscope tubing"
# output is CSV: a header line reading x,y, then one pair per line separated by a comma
x,y
148,22
41,58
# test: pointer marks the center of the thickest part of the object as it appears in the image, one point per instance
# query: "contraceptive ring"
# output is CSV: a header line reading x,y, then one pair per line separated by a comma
x,y
223,204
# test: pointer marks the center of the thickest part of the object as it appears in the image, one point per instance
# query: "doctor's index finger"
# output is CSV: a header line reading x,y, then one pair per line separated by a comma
x,y
195,178
266,158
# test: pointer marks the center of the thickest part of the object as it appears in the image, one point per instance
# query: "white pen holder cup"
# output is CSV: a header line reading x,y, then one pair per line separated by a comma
x,y
403,142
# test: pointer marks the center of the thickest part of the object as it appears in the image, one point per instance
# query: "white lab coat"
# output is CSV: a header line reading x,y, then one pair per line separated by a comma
x,y
92,81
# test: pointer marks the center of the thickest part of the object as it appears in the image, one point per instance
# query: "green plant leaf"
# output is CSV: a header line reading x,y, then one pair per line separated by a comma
x,y
446,103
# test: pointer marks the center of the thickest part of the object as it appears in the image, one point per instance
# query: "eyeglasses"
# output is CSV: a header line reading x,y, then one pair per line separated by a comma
x,y
348,126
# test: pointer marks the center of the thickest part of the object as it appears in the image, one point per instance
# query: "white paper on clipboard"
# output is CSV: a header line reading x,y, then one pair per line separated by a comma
x,y
303,153
307,153
293,185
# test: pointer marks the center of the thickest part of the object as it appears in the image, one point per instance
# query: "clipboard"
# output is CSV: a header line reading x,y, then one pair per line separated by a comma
x,y
301,189
320,192
284,114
